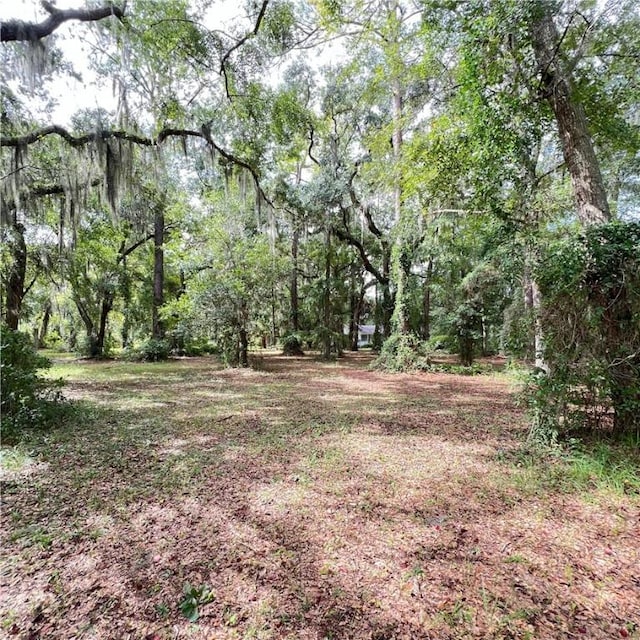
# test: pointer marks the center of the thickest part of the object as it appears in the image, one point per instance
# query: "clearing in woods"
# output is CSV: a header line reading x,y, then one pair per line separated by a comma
x,y
309,500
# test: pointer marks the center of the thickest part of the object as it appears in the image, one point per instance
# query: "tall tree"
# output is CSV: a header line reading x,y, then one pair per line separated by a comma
x,y
558,89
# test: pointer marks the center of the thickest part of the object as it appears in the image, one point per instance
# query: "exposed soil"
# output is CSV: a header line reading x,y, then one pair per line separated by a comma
x,y
314,501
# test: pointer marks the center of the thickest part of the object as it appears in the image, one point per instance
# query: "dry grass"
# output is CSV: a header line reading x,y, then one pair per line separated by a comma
x,y
314,501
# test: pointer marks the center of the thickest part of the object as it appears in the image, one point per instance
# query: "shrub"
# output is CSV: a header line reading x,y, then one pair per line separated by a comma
x,y
183,343
88,346
152,350
27,400
590,286
292,345
475,369
402,352
516,335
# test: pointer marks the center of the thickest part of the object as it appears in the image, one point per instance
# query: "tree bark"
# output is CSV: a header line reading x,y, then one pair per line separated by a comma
x,y
326,350
426,302
44,325
388,300
17,30
89,326
295,307
533,304
17,275
105,309
157,330
126,303
400,271
356,300
243,359
243,334
577,144
274,324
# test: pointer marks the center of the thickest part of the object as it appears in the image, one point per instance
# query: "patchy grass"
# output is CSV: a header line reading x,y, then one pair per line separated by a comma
x,y
311,500
598,465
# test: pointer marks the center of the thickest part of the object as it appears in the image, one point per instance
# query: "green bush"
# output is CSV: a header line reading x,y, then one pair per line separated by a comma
x,y
590,285
152,350
87,346
475,369
516,335
402,352
292,345
27,400
441,342
183,343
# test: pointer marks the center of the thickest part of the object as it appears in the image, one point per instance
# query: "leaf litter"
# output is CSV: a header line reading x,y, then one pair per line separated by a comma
x,y
305,500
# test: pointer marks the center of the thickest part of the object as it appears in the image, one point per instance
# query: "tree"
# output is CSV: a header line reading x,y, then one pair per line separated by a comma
x,y
577,145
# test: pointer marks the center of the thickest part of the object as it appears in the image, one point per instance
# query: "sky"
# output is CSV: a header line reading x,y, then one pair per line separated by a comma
x,y
72,94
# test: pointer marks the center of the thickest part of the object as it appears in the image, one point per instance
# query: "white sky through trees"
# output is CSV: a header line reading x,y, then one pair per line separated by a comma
x,y
84,89
69,93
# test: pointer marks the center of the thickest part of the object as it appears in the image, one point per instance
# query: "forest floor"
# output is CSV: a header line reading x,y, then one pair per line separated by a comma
x,y
310,500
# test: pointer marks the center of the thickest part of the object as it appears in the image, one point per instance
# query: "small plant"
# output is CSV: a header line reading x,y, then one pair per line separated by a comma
x,y
474,369
194,598
458,614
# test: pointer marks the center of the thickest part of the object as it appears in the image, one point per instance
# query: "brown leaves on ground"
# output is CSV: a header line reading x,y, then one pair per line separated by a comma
x,y
314,501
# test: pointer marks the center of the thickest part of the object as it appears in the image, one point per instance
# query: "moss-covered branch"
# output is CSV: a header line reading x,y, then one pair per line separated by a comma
x,y
18,30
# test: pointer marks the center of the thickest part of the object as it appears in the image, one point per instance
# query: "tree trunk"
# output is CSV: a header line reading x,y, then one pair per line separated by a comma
x,y
157,330
485,334
88,326
295,307
17,276
401,323
274,325
426,302
354,321
387,310
44,325
356,305
125,289
326,347
243,334
465,346
618,324
105,309
533,304
243,355
577,144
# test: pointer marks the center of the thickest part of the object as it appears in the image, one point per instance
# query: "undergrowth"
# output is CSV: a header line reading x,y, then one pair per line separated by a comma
x,y
28,399
600,463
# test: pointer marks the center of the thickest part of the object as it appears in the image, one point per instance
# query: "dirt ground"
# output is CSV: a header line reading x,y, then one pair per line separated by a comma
x,y
305,500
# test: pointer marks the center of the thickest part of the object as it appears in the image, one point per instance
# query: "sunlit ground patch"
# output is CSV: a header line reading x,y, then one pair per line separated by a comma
x,y
17,464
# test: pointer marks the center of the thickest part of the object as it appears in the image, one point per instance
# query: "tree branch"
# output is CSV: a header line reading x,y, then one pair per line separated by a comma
x,y
366,211
123,253
239,43
310,149
46,190
247,36
107,134
18,30
345,236
30,285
